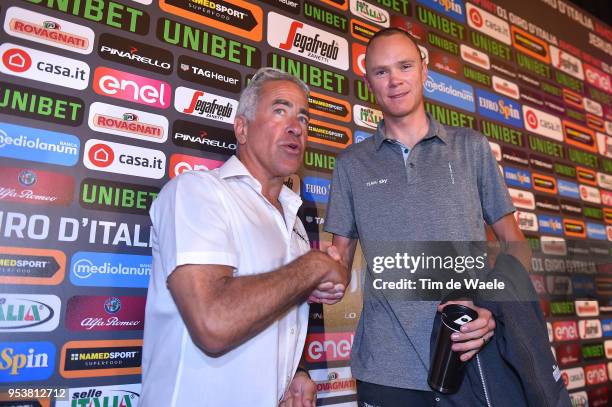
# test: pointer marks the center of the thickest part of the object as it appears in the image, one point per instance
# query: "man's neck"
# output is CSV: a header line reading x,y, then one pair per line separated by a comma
x,y
408,130
270,187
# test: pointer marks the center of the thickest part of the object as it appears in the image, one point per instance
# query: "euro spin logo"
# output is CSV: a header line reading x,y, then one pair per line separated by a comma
x,y
451,8
314,47
26,361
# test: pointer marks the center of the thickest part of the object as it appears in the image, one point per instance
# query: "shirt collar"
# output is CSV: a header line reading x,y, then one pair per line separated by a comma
x,y
435,130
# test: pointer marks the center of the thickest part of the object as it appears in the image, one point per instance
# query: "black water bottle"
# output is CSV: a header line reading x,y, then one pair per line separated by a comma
x,y
447,370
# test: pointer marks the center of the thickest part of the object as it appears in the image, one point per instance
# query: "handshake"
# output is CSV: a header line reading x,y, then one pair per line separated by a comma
x,y
335,276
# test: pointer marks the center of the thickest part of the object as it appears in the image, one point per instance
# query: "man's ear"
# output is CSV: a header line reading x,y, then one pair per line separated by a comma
x,y
365,80
241,127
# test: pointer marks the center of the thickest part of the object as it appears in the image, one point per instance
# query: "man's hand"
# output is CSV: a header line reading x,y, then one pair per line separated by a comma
x,y
302,392
474,335
329,292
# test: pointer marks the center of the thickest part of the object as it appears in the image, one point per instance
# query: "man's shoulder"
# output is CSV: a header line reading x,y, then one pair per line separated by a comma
x,y
357,150
189,182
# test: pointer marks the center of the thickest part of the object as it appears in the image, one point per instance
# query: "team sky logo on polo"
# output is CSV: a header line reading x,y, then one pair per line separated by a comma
x,y
135,54
505,87
118,395
29,313
179,163
447,90
133,88
316,189
102,313
27,143
566,63
235,16
96,269
113,196
40,105
209,74
550,224
35,187
366,116
319,160
370,12
596,231
333,382
101,358
488,24
579,136
542,123
20,265
124,159
568,189
327,106
44,67
474,57
522,199
32,26
131,123
527,221
574,228
203,137
590,194
205,105
329,134
307,41
499,108
451,8
517,178
26,361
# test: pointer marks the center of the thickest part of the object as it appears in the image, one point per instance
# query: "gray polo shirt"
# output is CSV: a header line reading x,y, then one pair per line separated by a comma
x,y
444,190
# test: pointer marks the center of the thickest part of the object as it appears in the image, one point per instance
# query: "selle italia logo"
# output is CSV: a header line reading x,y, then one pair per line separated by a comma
x,y
370,12
119,395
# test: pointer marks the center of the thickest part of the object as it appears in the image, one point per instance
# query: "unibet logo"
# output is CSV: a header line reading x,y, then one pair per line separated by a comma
x,y
124,159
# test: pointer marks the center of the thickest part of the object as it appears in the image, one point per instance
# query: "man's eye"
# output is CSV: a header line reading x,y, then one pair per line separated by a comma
x,y
305,119
406,66
380,73
279,110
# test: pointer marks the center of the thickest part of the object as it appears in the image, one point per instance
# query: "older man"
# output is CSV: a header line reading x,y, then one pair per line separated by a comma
x,y
226,316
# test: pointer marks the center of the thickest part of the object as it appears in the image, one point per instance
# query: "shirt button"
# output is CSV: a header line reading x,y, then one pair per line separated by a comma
x,y
292,331
411,165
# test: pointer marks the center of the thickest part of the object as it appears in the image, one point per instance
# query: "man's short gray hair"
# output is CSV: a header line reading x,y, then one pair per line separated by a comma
x,y
247,106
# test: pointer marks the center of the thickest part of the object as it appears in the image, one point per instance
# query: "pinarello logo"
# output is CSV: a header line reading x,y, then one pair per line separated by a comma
x,y
17,60
565,330
328,347
101,155
596,374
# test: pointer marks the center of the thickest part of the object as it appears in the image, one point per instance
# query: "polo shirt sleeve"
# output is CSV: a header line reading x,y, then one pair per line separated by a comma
x,y
340,218
494,197
191,224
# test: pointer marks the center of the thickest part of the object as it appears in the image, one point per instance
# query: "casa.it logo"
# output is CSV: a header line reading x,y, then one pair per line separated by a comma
x,y
370,12
205,105
133,88
596,374
120,395
101,358
32,26
542,123
124,159
26,361
488,24
590,194
100,313
573,378
587,308
43,67
179,163
29,313
35,187
307,41
131,123
329,347
589,328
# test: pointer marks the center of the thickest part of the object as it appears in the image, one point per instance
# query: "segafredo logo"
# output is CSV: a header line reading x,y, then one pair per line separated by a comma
x,y
527,221
566,62
205,105
488,24
604,144
542,123
589,329
307,41
44,67
29,313
124,159
32,26
366,116
130,123
370,12
505,87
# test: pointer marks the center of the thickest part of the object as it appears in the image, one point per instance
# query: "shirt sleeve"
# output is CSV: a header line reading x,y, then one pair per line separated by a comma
x,y
340,219
191,224
494,197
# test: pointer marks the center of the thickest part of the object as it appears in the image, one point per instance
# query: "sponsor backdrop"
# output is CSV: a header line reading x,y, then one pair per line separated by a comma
x,y
102,102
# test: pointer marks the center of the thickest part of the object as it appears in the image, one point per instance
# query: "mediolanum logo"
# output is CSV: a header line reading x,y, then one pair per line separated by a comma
x,y
307,41
124,159
29,313
47,30
43,66
120,395
26,361
96,269
133,88
370,12
566,63
205,105
447,90
125,122
27,143
329,347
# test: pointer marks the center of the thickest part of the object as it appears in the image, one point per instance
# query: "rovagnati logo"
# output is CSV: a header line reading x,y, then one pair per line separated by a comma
x,y
26,361
27,143
97,269
125,122
447,90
